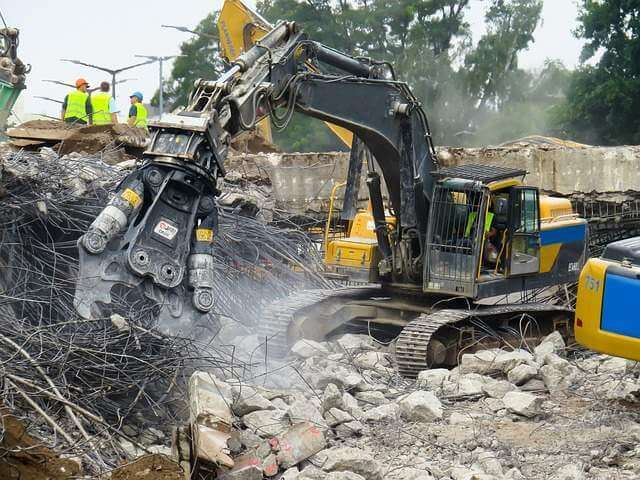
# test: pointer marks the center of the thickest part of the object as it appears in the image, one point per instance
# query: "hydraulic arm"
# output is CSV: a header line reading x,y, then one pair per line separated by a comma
x,y
158,231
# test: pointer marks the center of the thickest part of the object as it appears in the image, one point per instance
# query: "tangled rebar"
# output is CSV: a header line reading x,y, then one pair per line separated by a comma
x,y
79,382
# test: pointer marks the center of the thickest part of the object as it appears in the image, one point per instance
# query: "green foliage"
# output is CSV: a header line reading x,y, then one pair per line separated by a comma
x,y
429,44
200,59
603,100
471,93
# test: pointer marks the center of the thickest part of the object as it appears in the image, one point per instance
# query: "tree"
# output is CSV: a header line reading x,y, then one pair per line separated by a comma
x,y
603,100
428,42
200,59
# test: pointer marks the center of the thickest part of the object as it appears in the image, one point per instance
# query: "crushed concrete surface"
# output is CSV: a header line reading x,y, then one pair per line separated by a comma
x,y
446,425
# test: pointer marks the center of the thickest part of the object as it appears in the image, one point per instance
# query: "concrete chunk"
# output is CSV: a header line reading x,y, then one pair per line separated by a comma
x,y
384,413
522,403
421,406
210,445
522,374
298,443
341,459
432,379
305,411
306,348
266,423
209,402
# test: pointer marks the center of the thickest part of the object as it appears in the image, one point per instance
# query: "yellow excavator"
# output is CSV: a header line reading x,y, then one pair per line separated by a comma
x,y
464,263
607,310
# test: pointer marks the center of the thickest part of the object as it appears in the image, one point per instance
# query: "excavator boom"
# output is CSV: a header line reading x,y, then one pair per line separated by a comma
x,y
158,231
239,28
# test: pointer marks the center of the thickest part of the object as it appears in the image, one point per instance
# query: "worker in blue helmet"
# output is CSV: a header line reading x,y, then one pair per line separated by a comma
x,y
138,112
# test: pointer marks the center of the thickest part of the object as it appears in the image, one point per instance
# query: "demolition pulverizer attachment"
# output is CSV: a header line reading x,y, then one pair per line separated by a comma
x,y
155,237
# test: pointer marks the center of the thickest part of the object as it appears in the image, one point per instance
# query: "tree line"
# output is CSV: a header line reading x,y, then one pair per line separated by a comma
x,y
474,92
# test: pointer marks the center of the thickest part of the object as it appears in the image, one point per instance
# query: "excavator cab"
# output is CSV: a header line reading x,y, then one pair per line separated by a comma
x,y
490,235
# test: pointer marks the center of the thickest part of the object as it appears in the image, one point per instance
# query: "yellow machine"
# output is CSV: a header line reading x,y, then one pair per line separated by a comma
x,y
458,268
607,312
355,258
239,28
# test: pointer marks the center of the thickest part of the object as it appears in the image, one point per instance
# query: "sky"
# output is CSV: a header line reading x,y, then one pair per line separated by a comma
x,y
113,32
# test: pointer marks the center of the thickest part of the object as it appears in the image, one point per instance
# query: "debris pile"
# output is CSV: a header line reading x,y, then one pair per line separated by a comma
x,y
103,392
345,413
114,143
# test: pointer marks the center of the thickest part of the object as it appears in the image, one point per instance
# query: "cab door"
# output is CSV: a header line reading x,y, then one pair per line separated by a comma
x,y
524,256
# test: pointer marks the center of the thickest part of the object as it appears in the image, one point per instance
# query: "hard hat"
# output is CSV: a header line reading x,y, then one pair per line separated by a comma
x,y
80,82
138,95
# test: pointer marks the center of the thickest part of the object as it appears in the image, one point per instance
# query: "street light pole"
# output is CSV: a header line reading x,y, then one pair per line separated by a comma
x,y
160,60
58,82
188,30
111,71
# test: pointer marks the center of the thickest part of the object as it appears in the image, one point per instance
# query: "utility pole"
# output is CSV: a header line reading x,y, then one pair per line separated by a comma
x,y
160,60
112,71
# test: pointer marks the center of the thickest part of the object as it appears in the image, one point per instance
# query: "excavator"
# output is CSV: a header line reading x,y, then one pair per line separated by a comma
x,y
463,264
606,305
12,72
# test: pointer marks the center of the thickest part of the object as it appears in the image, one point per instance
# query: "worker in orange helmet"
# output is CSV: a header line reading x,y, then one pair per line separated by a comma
x,y
76,107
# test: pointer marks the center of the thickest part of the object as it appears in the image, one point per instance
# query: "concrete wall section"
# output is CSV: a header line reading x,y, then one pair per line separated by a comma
x,y
562,170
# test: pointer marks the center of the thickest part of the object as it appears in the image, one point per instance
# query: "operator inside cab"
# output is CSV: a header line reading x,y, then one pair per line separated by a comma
x,y
495,227
137,112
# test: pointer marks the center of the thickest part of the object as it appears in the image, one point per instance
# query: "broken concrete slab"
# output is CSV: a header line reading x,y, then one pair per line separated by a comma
x,y
421,406
497,388
266,423
522,403
297,444
522,374
432,379
341,459
352,342
306,348
210,445
332,398
209,403
372,360
247,399
372,397
384,413
335,417
303,410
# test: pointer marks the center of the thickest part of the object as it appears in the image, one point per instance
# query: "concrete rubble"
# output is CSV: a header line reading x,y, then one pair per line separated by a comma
x,y
338,409
495,417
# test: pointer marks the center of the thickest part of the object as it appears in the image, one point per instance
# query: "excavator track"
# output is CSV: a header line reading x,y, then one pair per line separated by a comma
x,y
413,342
278,316
418,342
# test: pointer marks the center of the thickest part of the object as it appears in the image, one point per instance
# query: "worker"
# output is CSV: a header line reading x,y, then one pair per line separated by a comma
x,y
76,107
137,112
103,106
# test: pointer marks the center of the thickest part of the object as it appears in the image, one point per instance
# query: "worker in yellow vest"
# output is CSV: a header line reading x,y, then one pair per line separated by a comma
x,y
137,112
103,106
76,107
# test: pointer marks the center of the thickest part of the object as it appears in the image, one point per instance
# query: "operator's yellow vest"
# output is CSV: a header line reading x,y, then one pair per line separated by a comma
x,y
100,107
141,115
76,105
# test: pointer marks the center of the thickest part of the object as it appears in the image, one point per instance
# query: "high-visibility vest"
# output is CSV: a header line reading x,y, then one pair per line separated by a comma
x,y
100,107
76,105
141,115
488,220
